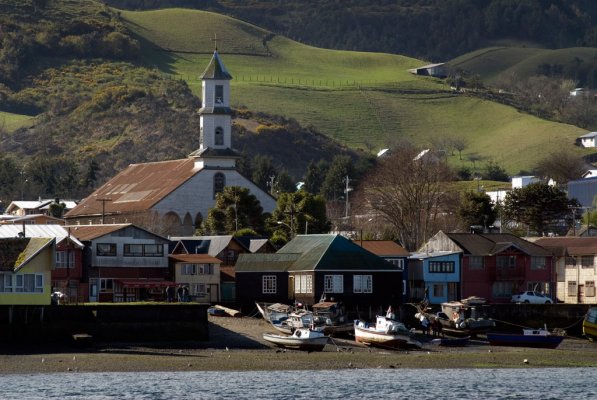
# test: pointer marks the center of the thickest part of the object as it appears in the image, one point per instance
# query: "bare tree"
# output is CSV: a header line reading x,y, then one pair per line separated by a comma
x,y
407,190
562,166
459,143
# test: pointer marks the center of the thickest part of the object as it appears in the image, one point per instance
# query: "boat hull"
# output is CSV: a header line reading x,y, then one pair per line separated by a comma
x,y
543,341
380,339
289,342
452,342
589,325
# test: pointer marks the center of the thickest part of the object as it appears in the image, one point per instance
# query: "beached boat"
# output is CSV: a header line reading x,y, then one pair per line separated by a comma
x,y
385,332
589,324
330,316
540,338
285,318
460,318
301,339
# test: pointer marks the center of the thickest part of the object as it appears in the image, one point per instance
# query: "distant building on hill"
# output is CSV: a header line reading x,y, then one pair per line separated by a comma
x,y
437,70
173,197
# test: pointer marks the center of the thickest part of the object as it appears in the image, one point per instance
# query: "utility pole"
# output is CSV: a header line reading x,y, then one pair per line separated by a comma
x,y
272,184
346,180
104,200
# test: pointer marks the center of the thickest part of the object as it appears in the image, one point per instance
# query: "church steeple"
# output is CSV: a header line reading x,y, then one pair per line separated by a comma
x,y
215,137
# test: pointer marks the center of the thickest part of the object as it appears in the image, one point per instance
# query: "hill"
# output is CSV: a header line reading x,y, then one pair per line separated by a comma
x,y
98,114
427,29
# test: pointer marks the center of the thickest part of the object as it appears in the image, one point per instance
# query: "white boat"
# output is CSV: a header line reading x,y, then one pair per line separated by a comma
x,y
386,332
285,318
301,339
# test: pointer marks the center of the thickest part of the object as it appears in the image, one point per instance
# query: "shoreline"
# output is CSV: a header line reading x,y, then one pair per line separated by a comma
x,y
236,344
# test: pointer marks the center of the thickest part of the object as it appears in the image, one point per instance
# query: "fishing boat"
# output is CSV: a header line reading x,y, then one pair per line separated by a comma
x,y
461,318
385,332
301,339
540,338
284,318
589,324
330,316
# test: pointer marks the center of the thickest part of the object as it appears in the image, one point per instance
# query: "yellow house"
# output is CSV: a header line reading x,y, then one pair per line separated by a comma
x,y
25,270
200,274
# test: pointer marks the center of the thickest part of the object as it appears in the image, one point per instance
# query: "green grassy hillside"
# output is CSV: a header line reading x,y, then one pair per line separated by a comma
x,y
361,99
10,122
495,64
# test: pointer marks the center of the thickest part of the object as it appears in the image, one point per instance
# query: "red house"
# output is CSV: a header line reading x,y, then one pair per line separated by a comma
x,y
497,265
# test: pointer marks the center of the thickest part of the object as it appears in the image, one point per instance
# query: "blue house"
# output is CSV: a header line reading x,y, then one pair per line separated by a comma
x,y
435,273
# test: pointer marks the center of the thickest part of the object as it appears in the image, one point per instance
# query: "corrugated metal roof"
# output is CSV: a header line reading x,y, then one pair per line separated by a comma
x,y
493,243
195,258
216,69
574,246
137,188
383,247
47,231
15,253
90,232
262,262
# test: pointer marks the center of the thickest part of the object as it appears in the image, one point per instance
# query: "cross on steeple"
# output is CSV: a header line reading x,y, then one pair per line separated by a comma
x,y
215,40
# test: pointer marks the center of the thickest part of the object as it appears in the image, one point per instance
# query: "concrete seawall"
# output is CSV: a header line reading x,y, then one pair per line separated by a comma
x,y
121,322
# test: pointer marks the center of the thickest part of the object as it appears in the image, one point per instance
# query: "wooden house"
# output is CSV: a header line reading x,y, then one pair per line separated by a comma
x,y
67,273
575,266
200,273
497,265
25,270
435,275
312,267
123,262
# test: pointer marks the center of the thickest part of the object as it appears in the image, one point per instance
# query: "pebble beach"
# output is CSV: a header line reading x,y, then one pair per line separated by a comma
x,y
236,344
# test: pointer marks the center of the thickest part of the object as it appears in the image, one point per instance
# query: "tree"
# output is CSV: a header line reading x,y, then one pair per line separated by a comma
x,y
315,175
561,166
235,208
408,192
459,143
299,212
285,183
476,209
539,207
333,185
495,172
263,170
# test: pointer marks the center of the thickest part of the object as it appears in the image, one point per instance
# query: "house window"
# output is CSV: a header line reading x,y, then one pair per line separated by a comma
x,y
590,288
587,261
200,289
363,283
219,138
205,269
269,284
188,269
537,262
438,290
303,284
506,261
6,283
219,183
570,262
476,262
106,249
572,291
65,259
106,285
143,250
502,289
398,262
333,283
29,283
441,267
219,94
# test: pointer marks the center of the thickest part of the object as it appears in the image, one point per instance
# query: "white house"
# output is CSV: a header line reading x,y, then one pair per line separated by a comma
x,y
588,140
522,181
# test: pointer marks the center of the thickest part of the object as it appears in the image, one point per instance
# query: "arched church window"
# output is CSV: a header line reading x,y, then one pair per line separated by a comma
x,y
219,183
219,140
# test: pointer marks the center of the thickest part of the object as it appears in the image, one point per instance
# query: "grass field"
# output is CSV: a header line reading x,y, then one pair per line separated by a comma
x,y
10,122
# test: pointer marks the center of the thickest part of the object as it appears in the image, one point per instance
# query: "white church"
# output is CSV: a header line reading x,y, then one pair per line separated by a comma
x,y
173,197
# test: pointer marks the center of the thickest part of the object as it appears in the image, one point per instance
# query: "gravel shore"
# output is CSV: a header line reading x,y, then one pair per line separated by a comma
x,y
236,344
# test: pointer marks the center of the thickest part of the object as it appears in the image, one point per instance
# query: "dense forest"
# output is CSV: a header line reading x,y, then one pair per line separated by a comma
x,y
429,29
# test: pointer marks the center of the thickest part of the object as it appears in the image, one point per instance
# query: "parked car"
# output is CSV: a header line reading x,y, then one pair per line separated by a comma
x,y
531,297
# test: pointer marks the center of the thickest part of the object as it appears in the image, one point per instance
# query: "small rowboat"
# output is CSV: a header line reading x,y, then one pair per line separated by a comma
x,y
539,338
301,339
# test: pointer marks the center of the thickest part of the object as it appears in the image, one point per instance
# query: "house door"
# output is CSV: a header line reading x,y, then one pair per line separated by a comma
x,y
93,289
452,291
581,294
291,287
213,292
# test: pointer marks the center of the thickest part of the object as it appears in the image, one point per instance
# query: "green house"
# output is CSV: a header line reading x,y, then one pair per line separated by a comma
x,y
25,270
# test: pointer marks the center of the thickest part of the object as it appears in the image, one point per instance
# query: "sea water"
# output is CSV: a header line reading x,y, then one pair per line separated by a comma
x,y
523,383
